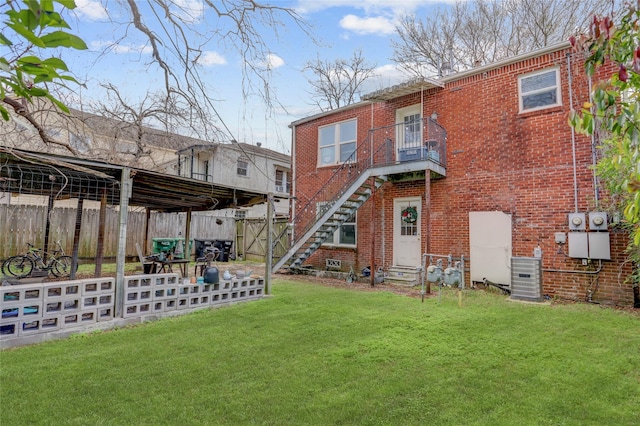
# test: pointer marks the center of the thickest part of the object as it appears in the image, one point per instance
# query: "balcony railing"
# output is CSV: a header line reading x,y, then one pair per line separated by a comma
x,y
383,146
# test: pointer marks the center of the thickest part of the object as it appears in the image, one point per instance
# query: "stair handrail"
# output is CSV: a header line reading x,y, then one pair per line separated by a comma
x,y
352,168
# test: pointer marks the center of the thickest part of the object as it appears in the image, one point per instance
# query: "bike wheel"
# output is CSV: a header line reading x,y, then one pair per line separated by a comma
x,y
62,266
18,266
4,270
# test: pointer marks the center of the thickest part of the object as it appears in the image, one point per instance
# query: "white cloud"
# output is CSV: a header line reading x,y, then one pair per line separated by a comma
x,y
373,25
91,9
369,6
378,16
119,48
191,11
274,61
210,58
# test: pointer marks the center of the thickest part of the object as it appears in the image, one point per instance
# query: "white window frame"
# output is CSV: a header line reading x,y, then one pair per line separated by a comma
x,y
556,87
335,240
81,143
337,143
246,168
282,182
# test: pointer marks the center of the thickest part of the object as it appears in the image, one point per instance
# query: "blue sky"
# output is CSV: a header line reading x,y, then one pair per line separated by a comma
x,y
340,27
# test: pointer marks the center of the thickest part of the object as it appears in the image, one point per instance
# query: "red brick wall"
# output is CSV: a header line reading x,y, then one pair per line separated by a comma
x,y
497,159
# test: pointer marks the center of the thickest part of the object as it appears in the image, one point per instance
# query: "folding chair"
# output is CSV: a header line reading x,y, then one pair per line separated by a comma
x,y
204,262
148,265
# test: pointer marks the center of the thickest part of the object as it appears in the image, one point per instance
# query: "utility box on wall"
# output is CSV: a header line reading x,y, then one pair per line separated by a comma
x,y
594,244
578,245
589,245
577,222
599,247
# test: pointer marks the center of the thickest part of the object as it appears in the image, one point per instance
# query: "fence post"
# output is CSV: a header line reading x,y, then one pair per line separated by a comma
x,y
126,182
269,254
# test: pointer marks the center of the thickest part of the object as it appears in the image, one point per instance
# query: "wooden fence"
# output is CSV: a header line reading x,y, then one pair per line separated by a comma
x,y
20,224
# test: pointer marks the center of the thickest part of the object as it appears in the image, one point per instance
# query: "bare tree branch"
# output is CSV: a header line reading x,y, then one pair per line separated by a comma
x,y
484,31
20,109
338,83
177,48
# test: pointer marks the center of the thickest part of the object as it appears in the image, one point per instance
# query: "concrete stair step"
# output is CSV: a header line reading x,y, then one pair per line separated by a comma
x,y
402,281
403,275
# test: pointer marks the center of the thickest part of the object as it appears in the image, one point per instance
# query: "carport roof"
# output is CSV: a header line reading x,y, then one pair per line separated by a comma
x,y
68,177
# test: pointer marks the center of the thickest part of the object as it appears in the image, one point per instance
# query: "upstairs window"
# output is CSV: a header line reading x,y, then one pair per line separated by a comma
x,y
243,167
81,144
539,90
282,181
337,142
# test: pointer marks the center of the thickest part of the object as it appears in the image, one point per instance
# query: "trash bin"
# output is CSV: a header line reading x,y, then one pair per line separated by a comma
x,y
225,248
202,246
149,268
168,245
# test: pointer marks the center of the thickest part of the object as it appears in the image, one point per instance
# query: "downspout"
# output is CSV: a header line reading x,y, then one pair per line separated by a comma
x,y
594,158
292,196
371,143
372,200
573,136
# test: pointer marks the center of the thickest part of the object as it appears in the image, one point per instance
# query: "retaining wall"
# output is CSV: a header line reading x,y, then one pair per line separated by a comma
x,y
32,313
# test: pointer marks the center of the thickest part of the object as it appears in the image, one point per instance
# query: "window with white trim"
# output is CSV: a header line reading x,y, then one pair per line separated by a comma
x,y
345,235
243,167
539,90
282,181
80,143
337,143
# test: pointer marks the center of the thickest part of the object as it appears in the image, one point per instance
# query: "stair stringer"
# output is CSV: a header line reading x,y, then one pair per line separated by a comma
x,y
298,251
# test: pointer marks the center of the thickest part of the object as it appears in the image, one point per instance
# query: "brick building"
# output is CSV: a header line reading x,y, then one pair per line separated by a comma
x,y
480,165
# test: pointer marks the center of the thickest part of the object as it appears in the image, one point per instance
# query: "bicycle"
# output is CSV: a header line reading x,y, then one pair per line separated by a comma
x,y
22,265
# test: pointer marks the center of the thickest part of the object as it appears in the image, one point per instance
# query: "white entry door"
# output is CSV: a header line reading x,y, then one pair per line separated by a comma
x,y
406,231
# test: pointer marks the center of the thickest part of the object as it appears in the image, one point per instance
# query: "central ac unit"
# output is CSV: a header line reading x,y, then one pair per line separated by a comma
x,y
526,278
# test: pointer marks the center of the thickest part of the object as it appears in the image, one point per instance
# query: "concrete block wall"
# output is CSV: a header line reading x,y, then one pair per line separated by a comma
x,y
36,312
42,308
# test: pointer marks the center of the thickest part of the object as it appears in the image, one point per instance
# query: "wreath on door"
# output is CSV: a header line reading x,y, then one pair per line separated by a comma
x,y
410,214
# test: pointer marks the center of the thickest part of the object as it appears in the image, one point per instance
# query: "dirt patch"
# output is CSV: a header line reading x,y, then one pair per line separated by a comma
x,y
362,284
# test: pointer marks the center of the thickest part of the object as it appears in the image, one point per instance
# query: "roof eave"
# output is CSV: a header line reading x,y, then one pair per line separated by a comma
x,y
407,88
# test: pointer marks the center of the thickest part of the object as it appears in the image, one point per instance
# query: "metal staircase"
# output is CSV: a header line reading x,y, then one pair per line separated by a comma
x,y
329,218
352,184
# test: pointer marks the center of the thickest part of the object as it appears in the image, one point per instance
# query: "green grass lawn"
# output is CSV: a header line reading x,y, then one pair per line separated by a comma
x,y
314,355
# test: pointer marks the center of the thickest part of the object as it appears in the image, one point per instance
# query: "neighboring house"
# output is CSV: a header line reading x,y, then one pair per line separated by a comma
x,y
244,166
94,137
480,164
